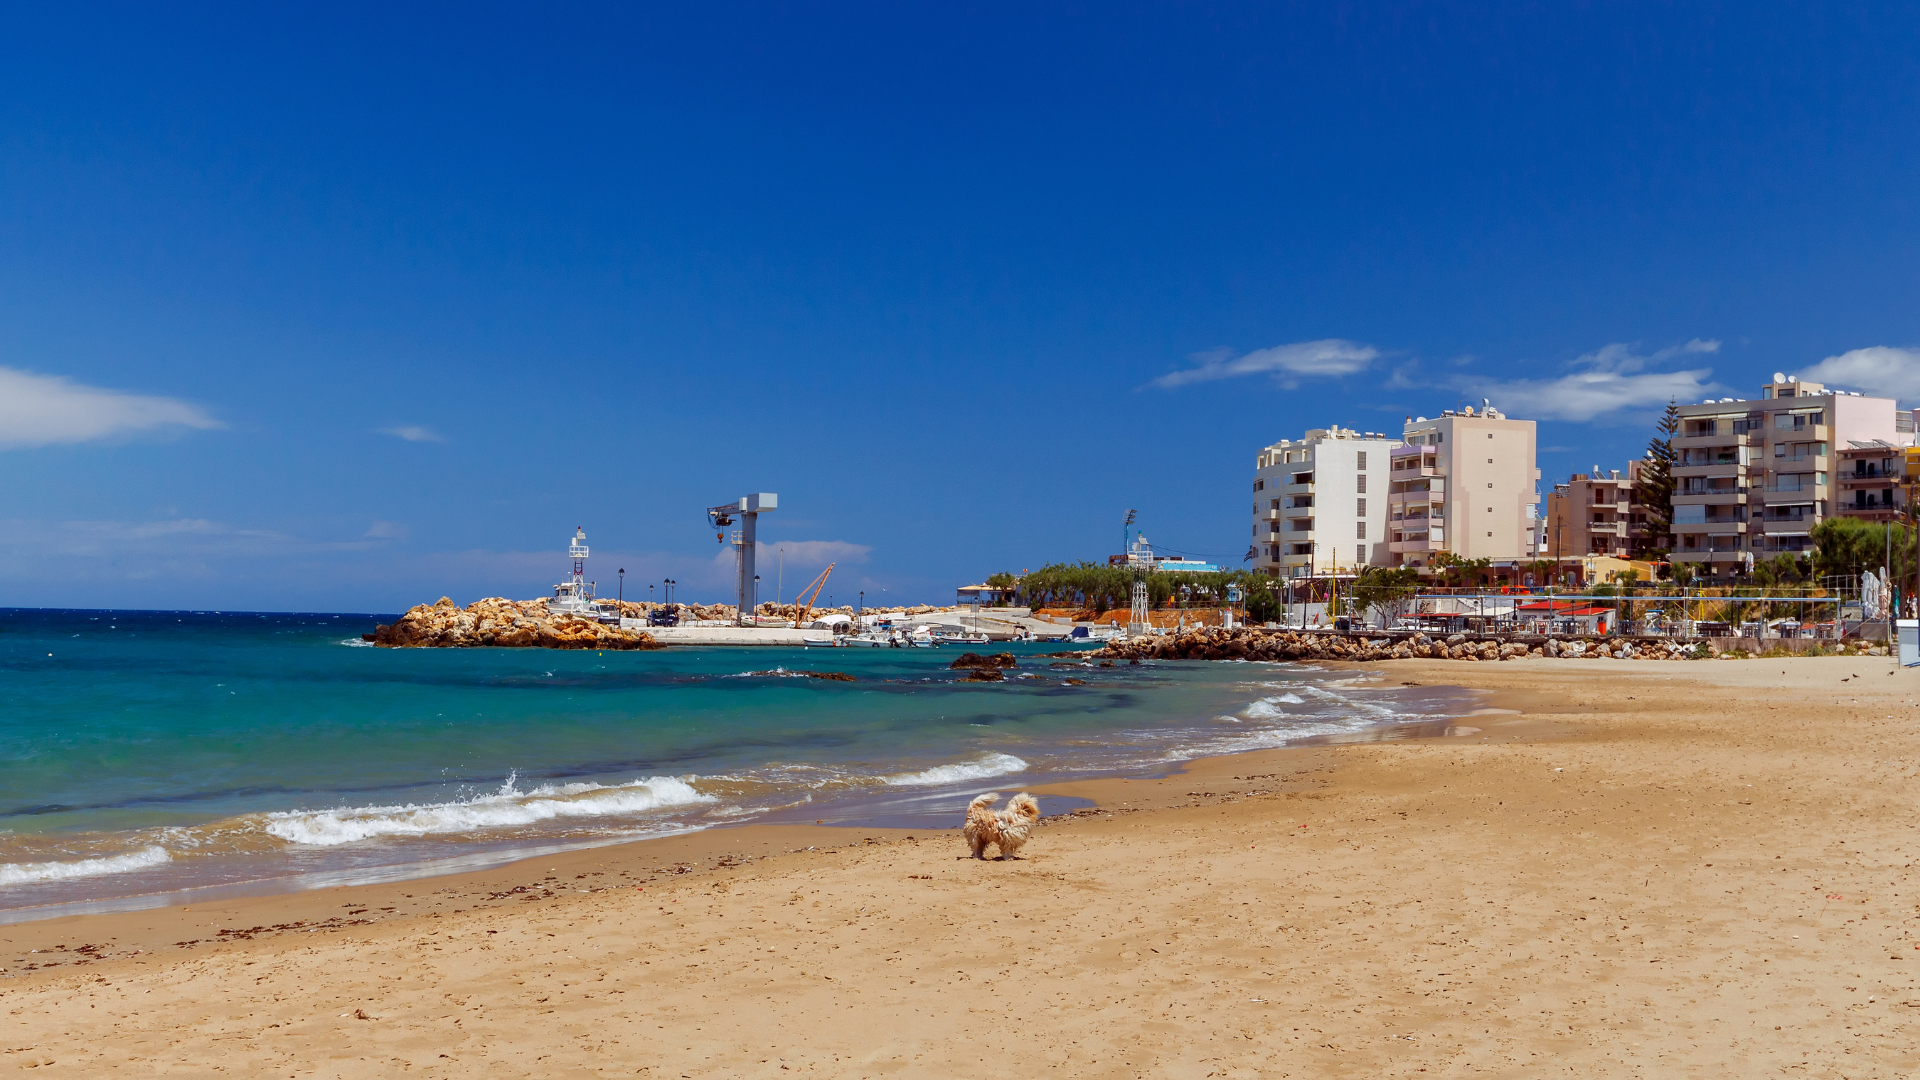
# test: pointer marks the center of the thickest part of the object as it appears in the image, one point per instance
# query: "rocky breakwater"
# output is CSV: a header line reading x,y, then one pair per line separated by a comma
x,y
1256,644
502,623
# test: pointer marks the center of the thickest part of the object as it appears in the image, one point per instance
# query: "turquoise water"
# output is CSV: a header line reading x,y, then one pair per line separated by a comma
x,y
147,752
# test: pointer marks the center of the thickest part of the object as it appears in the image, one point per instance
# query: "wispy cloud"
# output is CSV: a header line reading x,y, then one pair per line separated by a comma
x,y
387,530
1883,370
821,552
413,433
1608,380
1328,357
42,410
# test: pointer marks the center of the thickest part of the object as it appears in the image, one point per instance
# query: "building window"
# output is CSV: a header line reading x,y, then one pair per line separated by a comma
x,y
1360,507
1360,460
1360,530
1360,554
1360,483
1258,484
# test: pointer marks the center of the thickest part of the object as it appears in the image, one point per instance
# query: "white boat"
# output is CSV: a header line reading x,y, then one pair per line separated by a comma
x,y
960,637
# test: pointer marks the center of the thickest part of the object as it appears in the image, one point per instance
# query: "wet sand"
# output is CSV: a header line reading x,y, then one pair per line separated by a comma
x,y
1644,869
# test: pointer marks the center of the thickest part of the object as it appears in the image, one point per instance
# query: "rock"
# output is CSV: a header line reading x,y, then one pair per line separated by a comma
x,y
987,674
975,660
501,623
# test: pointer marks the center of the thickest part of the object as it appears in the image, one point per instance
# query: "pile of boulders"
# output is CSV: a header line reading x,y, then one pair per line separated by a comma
x,y
640,609
497,621
1256,644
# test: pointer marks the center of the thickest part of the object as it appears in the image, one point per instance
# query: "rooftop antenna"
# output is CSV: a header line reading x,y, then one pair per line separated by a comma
x,y
1126,531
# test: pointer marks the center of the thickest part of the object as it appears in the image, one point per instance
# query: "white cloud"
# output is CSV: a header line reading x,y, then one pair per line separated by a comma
x,y
1287,363
813,552
41,410
1608,380
386,530
1882,370
413,433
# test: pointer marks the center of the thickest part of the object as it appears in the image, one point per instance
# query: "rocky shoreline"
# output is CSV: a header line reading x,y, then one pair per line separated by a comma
x,y
497,622
1260,644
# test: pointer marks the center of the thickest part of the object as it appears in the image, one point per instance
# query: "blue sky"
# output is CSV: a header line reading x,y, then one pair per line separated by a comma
x,y
346,308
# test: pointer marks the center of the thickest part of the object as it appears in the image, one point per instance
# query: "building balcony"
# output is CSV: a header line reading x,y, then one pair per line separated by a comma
x,y
1708,442
1711,528
1800,463
1731,497
1430,539
1711,557
1716,468
1871,513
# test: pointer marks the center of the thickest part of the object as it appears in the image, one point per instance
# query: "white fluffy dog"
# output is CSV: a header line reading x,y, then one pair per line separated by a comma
x,y
1008,828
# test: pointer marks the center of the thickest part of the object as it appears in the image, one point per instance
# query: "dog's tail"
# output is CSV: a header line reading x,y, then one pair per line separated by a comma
x,y
981,802
1024,805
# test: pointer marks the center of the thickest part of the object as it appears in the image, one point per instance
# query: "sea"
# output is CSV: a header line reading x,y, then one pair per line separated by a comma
x,y
158,757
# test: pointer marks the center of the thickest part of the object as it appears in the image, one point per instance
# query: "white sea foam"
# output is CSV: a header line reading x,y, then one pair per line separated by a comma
x,y
1269,708
21,873
504,809
356,643
979,769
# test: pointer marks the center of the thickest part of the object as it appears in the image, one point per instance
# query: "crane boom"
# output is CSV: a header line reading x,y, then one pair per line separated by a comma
x,y
802,608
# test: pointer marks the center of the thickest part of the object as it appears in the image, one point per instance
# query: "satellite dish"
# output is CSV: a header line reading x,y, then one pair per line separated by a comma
x,y
1779,378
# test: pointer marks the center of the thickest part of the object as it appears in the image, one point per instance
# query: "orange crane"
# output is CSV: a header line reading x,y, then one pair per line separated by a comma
x,y
802,608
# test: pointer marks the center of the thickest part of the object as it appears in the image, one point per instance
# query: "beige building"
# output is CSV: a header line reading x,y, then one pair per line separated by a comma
x,y
1597,513
1753,477
1464,483
1319,503
1871,479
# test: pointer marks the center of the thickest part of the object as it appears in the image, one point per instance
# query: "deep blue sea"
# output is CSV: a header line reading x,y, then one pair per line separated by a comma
x,y
144,753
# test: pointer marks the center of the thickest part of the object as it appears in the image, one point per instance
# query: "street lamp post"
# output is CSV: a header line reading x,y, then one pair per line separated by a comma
x,y
623,585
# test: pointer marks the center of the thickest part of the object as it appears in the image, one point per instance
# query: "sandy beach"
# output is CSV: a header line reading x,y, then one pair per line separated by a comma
x,y
1620,869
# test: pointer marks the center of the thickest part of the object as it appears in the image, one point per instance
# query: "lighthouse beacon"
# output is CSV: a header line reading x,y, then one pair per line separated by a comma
x,y
576,593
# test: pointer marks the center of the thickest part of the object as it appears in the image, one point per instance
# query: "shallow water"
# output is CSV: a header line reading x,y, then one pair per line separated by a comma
x,y
146,752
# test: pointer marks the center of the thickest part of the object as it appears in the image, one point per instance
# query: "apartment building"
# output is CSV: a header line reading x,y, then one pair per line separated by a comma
x,y
1871,478
1753,477
1598,513
1319,503
1464,483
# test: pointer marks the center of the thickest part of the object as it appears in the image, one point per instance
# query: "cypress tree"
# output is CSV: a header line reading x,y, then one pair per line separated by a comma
x,y
1654,492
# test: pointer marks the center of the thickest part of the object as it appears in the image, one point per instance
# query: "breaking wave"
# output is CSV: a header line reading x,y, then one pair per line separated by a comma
x,y
978,769
21,873
1267,708
504,809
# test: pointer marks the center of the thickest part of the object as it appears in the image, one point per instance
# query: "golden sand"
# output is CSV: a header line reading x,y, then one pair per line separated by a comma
x,y
1645,870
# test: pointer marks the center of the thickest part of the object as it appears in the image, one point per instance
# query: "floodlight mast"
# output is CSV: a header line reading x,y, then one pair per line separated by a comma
x,y
748,509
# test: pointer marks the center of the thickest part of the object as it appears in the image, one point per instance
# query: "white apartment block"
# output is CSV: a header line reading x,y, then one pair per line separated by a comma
x,y
1319,503
1752,478
1464,483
